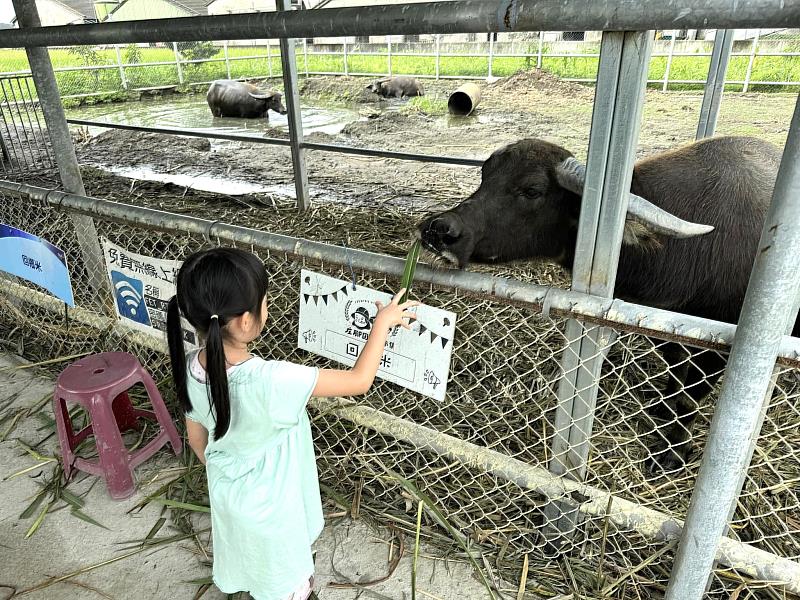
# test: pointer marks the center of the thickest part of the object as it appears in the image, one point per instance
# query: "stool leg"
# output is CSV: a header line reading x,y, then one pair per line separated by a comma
x,y
111,450
124,413
65,433
162,414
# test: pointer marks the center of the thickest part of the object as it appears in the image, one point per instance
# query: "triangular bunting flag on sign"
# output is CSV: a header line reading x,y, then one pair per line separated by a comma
x,y
433,337
344,289
325,299
335,294
316,299
305,296
422,329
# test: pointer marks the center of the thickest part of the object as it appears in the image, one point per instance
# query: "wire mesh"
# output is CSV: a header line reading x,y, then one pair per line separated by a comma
x,y
501,396
25,146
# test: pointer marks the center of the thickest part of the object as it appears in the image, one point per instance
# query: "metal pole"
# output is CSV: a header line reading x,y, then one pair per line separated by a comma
x,y
767,314
616,120
491,56
305,54
456,16
669,63
269,57
292,98
539,53
750,62
389,54
178,62
50,101
715,83
344,54
438,55
227,58
122,78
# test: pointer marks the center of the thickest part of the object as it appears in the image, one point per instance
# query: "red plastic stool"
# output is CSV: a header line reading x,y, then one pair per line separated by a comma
x,y
100,384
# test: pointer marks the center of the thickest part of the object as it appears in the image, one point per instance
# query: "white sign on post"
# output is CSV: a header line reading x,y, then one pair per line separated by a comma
x,y
142,288
335,322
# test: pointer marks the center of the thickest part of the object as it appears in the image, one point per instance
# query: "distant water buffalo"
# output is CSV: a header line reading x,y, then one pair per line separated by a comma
x,y
396,87
228,98
527,207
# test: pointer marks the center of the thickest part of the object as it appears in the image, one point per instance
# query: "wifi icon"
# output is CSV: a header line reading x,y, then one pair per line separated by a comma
x,y
129,293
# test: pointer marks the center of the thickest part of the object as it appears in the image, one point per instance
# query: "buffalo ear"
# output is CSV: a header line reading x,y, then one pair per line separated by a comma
x,y
636,233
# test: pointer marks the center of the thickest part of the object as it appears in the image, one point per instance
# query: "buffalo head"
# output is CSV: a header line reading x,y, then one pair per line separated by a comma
x,y
527,207
271,100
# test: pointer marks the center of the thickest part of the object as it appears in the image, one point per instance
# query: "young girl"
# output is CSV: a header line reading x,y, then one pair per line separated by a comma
x,y
246,421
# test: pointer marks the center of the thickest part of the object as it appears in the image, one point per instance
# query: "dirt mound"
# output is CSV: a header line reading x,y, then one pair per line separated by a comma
x,y
540,80
352,89
140,147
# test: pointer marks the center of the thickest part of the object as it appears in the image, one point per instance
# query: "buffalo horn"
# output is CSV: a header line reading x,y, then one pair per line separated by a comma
x,y
571,175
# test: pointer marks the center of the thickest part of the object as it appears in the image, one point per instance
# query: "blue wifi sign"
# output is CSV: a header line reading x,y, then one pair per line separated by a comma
x,y
129,293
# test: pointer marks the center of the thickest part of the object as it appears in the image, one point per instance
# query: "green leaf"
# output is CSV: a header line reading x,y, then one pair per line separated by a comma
x,y
72,499
439,517
183,505
28,512
201,581
155,529
39,520
408,271
84,517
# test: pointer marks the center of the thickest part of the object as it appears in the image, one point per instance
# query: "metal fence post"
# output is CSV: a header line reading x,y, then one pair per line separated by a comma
x,y
539,51
438,55
491,56
616,120
749,73
269,57
768,312
305,54
227,58
344,55
669,63
178,62
50,101
715,83
292,98
389,54
122,78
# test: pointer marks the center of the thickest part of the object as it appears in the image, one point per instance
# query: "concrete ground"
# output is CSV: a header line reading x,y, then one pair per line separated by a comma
x,y
69,558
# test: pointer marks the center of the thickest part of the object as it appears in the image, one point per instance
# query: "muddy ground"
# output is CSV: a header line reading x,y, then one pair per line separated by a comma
x,y
529,104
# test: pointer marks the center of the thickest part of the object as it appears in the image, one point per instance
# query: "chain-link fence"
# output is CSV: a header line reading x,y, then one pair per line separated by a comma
x,y
25,146
761,60
484,455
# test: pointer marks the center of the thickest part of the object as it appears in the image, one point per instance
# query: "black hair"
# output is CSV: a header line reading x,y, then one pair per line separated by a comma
x,y
220,282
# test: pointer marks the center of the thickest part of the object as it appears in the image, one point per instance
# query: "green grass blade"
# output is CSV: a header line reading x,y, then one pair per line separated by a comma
x,y
72,499
154,530
201,581
183,505
439,517
39,520
416,552
84,517
410,267
28,512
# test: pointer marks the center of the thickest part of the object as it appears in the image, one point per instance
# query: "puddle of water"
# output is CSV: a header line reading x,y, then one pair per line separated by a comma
x,y
205,183
192,112
218,185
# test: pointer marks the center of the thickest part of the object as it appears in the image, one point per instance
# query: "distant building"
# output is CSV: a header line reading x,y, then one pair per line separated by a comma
x,y
136,10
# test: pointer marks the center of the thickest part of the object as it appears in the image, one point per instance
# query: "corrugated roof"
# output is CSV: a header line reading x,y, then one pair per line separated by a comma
x,y
83,7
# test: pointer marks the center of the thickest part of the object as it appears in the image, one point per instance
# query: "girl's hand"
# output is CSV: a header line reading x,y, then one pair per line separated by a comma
x,y
394,313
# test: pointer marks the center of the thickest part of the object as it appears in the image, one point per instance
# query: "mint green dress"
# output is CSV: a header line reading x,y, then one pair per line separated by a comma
x,y
262,477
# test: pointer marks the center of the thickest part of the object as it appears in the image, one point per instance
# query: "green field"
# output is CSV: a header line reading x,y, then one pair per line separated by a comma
x,y
109,81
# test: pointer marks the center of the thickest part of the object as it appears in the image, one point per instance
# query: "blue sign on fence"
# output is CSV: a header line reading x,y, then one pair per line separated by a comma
x,y
30,257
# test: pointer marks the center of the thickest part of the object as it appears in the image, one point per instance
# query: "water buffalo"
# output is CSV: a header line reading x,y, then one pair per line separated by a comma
x,y
527,207
228,98
396,87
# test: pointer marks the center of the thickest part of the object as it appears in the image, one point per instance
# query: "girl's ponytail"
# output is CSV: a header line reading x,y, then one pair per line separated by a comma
x,y
177,354
217,377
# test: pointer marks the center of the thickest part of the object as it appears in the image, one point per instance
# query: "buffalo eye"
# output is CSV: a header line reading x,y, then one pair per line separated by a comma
x,y
532,193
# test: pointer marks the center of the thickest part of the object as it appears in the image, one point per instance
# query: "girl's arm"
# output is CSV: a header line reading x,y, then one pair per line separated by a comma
x,y
358,379
198,439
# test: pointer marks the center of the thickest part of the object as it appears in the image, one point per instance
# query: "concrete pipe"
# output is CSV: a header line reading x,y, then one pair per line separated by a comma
x,y
464,100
